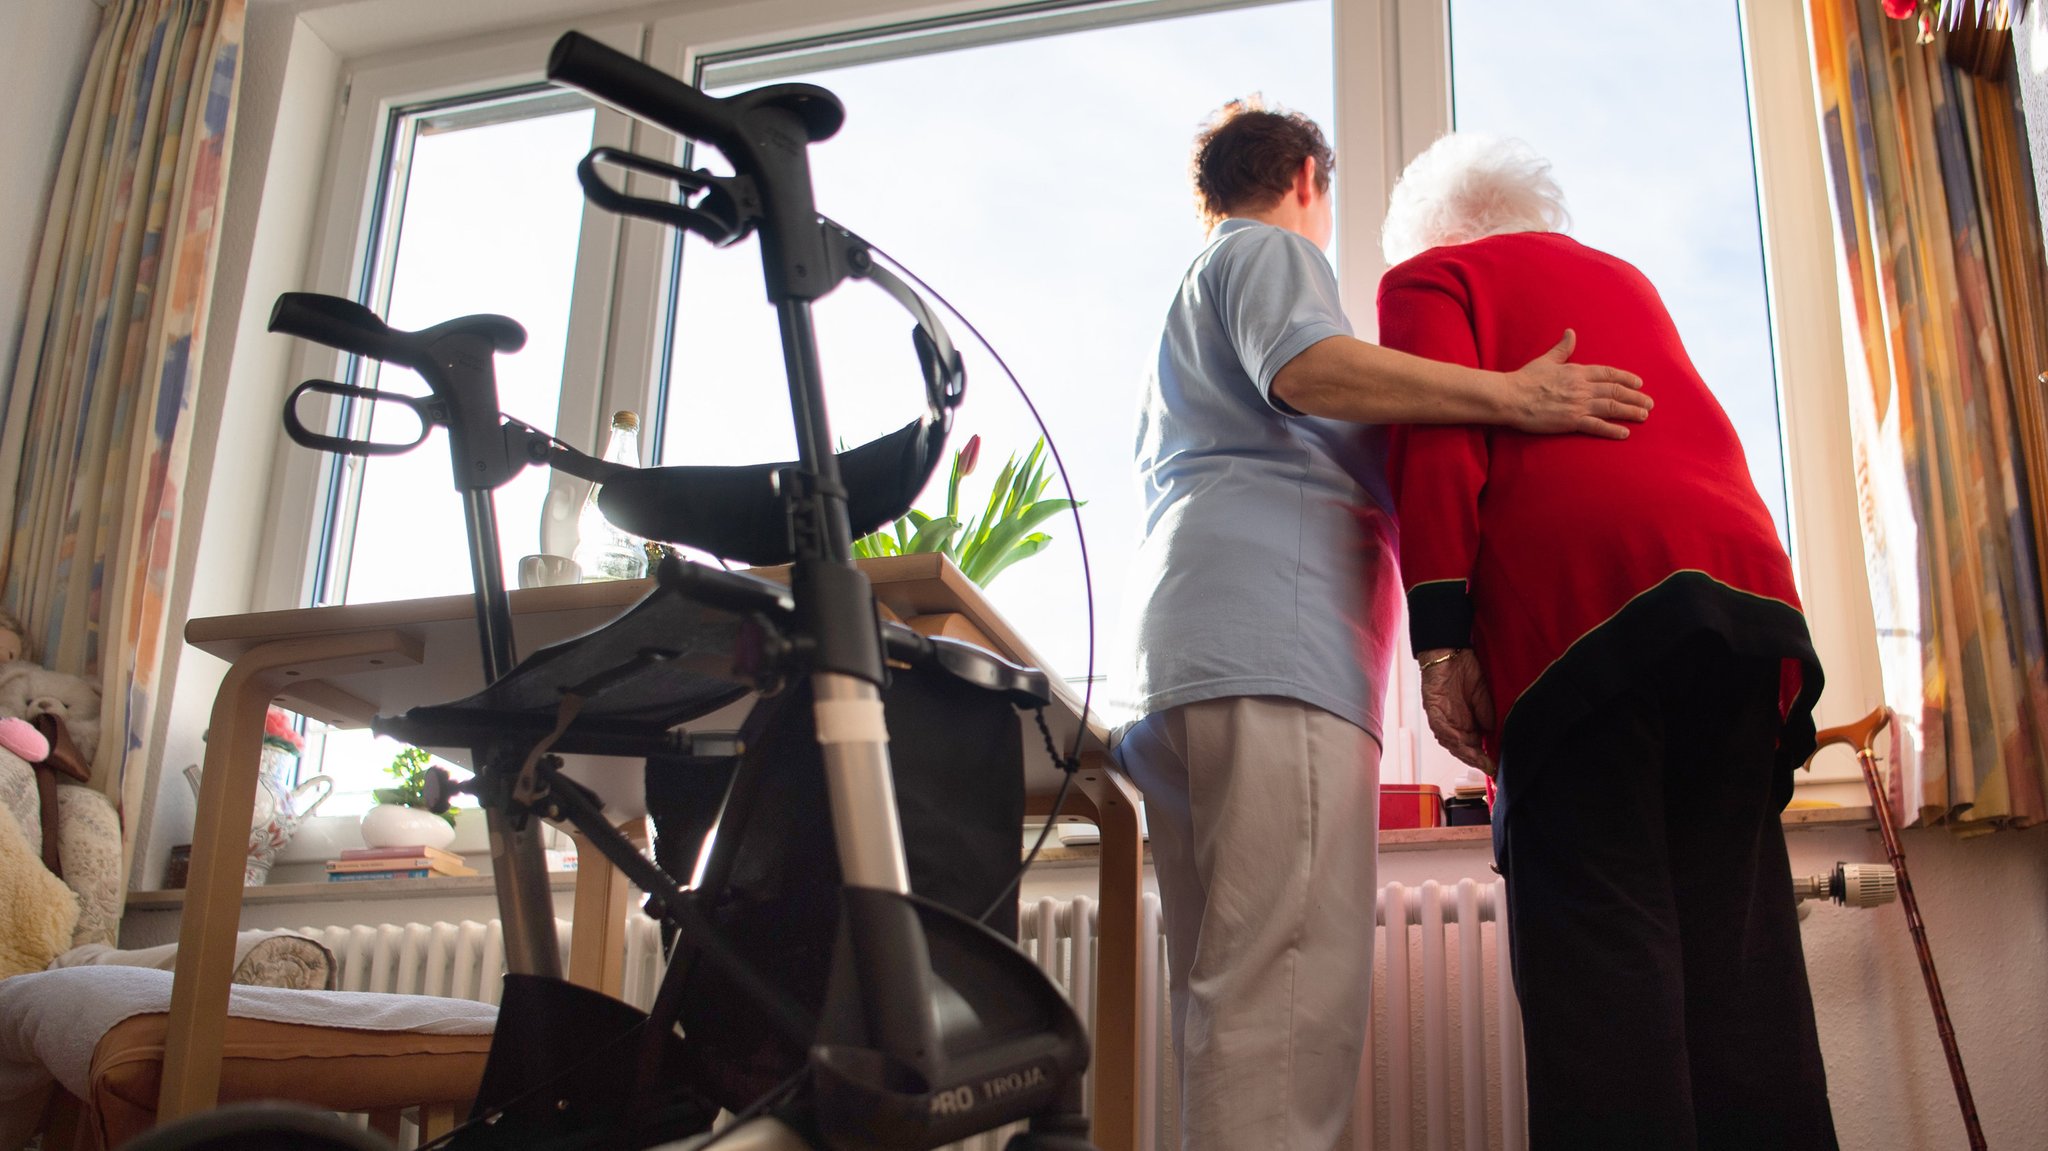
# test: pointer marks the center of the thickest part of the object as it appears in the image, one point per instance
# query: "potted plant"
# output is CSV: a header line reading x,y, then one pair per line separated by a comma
x,y
984,546
401,817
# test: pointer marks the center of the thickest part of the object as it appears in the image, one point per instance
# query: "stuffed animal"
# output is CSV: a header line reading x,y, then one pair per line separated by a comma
x,y
37,911
28,690
86,851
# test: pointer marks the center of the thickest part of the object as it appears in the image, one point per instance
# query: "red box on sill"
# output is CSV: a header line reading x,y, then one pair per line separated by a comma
x,y
1405,805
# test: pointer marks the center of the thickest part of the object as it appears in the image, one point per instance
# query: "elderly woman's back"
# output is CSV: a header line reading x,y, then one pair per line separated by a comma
x,y
1553,536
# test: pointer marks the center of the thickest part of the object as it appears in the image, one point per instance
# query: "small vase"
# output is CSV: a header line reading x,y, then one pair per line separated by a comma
x,y
395,825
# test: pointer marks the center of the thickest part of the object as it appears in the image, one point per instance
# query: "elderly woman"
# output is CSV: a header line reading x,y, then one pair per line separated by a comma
x,y
1614,622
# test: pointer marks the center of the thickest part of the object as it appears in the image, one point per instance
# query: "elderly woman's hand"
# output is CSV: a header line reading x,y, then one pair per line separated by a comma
x,y
1460,708
1551,394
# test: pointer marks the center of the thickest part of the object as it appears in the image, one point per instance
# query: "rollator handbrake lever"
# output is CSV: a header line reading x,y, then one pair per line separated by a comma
x,y
724,215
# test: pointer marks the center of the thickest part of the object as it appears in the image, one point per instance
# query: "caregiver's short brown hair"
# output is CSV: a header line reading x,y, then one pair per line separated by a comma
x,y
1246,156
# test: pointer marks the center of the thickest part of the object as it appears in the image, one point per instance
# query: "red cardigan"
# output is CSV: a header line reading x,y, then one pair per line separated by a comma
x,y
1571,563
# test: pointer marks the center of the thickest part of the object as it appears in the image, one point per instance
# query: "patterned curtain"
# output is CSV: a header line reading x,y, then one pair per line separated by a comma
x,y
98,410
1942,274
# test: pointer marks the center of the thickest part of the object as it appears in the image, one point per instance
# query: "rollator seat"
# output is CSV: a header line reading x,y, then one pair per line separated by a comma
x,y
737,512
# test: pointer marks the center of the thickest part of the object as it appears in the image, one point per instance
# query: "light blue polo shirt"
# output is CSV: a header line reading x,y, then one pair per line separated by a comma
x,y
1268,563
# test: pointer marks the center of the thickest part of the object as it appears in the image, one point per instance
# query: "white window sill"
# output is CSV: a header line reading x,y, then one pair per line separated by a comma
x,y
369,890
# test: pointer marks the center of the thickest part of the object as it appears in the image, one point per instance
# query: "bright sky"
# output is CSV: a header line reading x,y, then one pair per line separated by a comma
x,y
1643,111
1041,185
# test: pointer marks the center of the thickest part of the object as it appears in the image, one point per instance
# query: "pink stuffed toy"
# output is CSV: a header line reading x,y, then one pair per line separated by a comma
x,y
21,738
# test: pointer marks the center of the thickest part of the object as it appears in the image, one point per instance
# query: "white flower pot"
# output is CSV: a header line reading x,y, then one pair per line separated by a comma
x,y
395,825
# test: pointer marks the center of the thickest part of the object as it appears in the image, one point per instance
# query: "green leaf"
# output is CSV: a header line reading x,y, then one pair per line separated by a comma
x,y
1029,546
392,795
933,535
1021,482
990,557
995,503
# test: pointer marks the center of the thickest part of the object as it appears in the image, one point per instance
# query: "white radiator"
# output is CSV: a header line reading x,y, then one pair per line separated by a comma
x,y
1434,1019
1431,1083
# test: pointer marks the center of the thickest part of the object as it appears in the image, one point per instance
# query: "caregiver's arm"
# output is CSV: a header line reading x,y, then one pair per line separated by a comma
x,y
1349,379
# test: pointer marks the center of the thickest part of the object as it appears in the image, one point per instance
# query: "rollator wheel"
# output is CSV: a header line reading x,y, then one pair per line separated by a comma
x,y
259,1127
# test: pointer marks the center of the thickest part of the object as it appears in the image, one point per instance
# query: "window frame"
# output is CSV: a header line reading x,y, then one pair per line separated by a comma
x,y
347,246
1391,70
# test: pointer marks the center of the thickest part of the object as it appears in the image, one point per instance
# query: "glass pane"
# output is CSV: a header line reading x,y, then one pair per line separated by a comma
x,y
1041,185
483,215
490,220
1644,111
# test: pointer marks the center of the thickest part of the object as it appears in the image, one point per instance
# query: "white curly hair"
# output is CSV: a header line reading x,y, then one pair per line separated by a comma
x,y
1468,185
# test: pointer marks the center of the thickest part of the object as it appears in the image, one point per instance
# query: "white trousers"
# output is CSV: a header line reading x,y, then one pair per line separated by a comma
x,y
1264,817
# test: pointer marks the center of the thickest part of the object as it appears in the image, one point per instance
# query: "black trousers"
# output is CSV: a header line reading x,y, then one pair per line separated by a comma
x,y
1655,939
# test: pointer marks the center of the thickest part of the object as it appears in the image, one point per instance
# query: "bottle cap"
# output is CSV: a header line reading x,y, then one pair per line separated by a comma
x,y
626,421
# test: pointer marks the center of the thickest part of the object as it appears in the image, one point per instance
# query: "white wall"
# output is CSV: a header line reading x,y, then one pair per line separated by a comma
x,y
44,45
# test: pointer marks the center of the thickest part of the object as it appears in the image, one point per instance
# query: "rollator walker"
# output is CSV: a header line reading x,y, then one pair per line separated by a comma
x,y
833,982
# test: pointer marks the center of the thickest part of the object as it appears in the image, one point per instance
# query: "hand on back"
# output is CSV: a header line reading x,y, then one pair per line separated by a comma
x,y
1551,394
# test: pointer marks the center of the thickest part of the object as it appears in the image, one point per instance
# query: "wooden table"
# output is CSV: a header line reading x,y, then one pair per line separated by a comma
x,y
345,664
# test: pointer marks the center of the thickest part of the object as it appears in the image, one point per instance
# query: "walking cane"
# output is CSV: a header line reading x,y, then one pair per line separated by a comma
x,y
1862,735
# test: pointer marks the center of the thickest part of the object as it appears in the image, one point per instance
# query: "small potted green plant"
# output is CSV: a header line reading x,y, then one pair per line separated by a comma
x,y
402,817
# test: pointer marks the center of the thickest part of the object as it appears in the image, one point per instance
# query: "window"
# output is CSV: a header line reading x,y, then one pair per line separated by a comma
x,y
1033,172
1688,218
478,211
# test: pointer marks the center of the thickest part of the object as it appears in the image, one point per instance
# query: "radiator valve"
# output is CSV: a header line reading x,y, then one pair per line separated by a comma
x,y
1851,884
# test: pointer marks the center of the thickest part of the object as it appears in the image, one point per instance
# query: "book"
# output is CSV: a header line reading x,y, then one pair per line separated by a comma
x,y
360,876
411,851
397,863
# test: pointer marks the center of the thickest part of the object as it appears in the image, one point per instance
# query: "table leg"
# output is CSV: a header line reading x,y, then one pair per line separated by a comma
x,y
597,942
1119,985
220,845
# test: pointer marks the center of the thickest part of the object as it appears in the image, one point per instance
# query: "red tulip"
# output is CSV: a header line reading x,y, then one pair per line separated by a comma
x,y
968,455
1901,9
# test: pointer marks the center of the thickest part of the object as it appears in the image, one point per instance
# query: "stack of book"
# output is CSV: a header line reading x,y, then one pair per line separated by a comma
x,y
417,862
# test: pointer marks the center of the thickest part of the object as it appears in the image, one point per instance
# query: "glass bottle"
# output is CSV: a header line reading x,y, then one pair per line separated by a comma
x,y
603,550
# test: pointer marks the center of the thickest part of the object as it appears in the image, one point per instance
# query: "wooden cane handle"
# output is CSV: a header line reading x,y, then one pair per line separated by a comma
x,y
1860,735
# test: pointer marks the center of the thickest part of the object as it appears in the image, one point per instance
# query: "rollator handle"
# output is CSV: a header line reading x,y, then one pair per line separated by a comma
x,y
453,357
763,132
335,322
348,326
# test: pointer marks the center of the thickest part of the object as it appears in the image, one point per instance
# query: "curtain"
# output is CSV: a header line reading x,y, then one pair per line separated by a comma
x,y
1940,268
98,409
